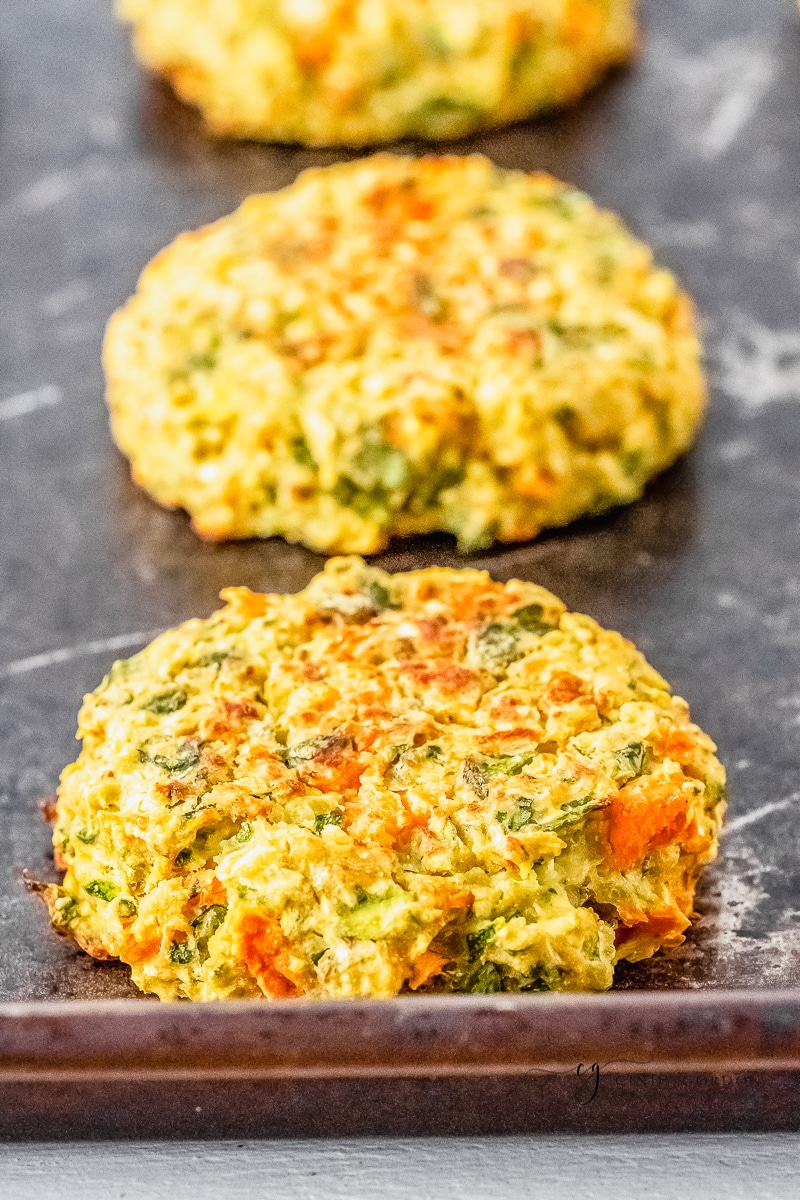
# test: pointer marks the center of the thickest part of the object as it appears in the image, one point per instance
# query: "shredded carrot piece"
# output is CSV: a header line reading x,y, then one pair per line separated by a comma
x,y
427,965
449,896
679,745
666,924
583,22
564,688
642,816
249,604
143,943
262,946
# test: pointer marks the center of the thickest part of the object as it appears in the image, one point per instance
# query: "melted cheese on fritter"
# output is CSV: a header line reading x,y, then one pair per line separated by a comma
x,y
420,781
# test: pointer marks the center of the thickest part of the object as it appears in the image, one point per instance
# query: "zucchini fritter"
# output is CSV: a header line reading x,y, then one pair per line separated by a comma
x,y
399,345
328,72
427,781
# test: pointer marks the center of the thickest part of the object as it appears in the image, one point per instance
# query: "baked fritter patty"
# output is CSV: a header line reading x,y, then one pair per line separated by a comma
x,y
402,345
332,72
429,781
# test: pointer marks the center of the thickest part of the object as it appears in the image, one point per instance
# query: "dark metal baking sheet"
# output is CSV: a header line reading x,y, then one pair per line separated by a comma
x,y
627,1061
698,145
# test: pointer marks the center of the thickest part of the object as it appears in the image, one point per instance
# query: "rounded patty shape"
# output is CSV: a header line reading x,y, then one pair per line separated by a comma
x,y
352,72
427,781
402,345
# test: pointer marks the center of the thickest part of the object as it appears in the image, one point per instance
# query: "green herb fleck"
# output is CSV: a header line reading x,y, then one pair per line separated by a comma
x,y
445,117
284,318
632,463
568,419
213,659
127,908
606,267
306,752
344,492
583,337
207,359
522,815
209,921
379,466
435,752
317,955
485,980
570,812
435,42
479,940
102,889
166,702
516,316
540,979
245,832
531,619
498,645
629,761
186,756
522,56
88,835
192,812
715,792
397,752
591,948
506,764
181,952
323,820
477,774
566,204
376,479
429,486
450,477
301,453
374,917
120,671
363,897
379,595
68,909
372,597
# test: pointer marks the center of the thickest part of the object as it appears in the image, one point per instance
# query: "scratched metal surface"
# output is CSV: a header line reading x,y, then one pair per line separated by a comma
x,y
698,146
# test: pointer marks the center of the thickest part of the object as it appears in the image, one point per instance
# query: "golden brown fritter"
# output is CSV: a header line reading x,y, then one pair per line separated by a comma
x,y
327,72
402,345
384,783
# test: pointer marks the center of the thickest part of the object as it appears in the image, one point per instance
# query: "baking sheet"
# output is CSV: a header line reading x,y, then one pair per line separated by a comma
x,y
698,146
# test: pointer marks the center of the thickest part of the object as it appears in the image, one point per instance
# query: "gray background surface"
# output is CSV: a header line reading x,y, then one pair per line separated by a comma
x,y
598,1168
699,147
